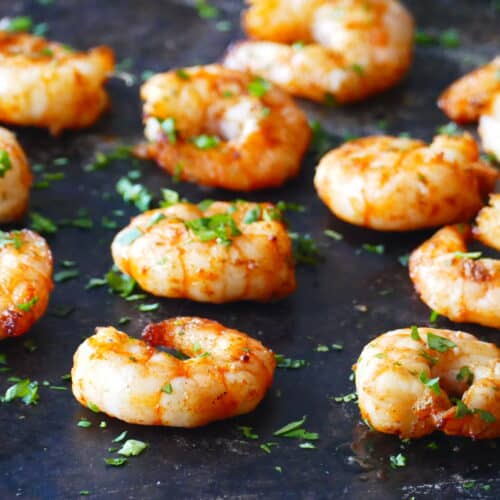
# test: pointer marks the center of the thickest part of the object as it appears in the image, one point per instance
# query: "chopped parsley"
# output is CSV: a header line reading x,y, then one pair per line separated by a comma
x,y
347,398
404,259
465,375
376,249
168,126
432,383
182,74
253,215
102,160
83,422
334,235
223,26
451,129
93,407
148,307
467,255
448,39
414,333
167,388
267,446
289,363
438,343
219,227
116,462
18,24
292,426
120,437
170,197
5,163
11,238
248,432
321,142
23,389
27,306
205,141
66,275
132,448
178,169
42,224
134,193
397,461
305,249
433,317
205,10
128,236
258,87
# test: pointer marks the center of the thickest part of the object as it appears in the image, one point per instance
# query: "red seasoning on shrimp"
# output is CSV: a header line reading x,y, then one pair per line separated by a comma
x,y
219,127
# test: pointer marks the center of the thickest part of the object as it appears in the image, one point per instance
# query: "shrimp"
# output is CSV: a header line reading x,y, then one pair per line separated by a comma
x,y
222,253
47,84
227,373
407,380
487,228
220,127
346,50
25,281
476,97
456,284
15,178
398,184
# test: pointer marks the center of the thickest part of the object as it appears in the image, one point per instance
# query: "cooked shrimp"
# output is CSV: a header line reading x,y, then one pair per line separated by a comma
x,y
474,97
219,127
46,84
487,229
15,178
397,184
469,97
454,283
406,380
25,281
227,373
345,49
223,253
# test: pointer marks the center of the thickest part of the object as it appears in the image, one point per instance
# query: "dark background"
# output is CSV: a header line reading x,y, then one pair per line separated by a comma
x,y
43,454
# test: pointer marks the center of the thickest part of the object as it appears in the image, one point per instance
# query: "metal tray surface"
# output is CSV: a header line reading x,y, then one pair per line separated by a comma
x,y
348,298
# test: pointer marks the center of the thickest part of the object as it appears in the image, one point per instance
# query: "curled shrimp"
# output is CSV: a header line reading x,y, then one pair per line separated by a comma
x,y
476,97
47,84
407,380
227,373
455,283
25,281
15,178
219,127
345,49
399,184
487,228
220,253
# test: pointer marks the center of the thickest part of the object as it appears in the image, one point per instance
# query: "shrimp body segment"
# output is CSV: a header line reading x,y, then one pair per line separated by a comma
x,y
223,253
346,49
398,184
219,127
476,97
25,281
487,228
46,84
15,178
455,283
407,380
227,373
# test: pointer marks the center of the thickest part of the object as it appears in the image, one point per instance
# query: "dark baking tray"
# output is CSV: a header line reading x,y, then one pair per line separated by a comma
x,y
348,298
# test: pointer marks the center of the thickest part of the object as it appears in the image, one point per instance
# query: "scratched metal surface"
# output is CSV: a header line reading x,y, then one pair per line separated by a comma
x,y
43,454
